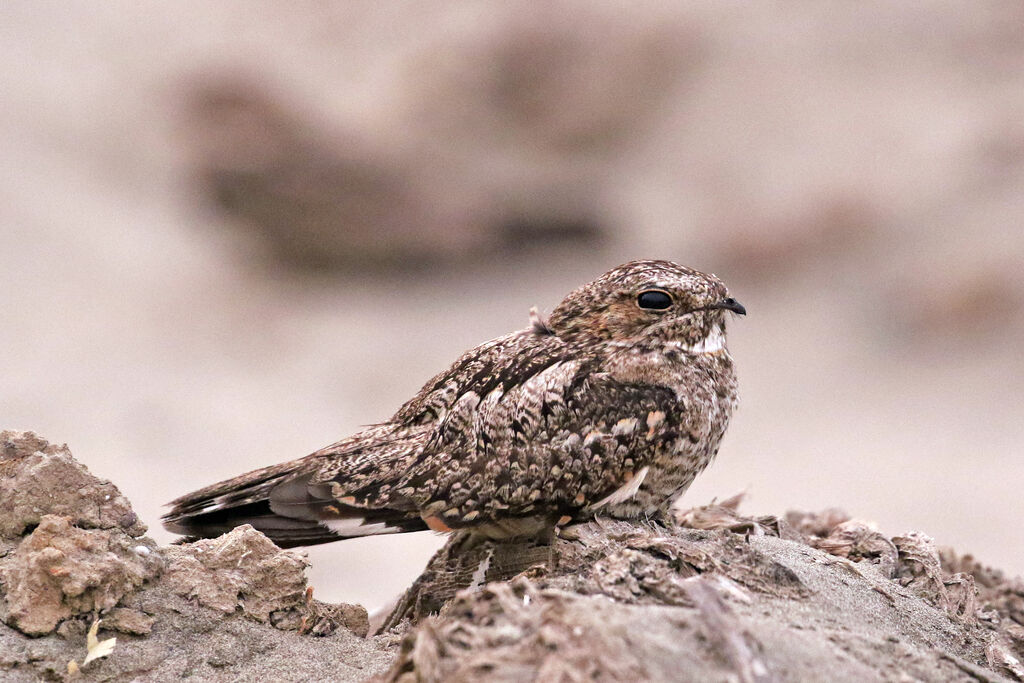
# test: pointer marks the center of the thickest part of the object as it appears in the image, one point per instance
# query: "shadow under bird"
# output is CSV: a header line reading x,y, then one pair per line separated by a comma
x,y
610,407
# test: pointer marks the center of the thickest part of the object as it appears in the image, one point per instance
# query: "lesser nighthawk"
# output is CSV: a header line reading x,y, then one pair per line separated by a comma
x,y
612,406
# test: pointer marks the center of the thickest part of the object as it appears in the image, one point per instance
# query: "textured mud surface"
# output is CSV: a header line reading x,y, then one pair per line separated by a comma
x,y
718,597
234,608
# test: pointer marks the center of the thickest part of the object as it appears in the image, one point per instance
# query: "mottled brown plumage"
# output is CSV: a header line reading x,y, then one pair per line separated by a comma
x,y
611,407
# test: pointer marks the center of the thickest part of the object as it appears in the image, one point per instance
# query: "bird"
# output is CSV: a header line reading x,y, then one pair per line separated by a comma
x,y
610,406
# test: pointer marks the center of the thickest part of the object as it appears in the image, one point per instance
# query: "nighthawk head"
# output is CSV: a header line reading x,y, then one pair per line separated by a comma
x,y
656,301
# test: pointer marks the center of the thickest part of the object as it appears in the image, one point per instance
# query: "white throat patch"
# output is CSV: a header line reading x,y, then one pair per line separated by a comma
x,y
713,343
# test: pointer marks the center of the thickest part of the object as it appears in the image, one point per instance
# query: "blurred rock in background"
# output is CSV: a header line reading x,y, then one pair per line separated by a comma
x,y
234,233
504,135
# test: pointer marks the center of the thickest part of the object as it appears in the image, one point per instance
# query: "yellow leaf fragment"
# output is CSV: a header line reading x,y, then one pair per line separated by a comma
x,y
97,648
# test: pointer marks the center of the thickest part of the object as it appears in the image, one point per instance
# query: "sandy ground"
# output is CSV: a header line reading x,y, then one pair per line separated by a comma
x,y
141,330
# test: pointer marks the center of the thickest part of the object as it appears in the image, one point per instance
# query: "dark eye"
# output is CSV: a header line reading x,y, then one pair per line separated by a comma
x,y
654,299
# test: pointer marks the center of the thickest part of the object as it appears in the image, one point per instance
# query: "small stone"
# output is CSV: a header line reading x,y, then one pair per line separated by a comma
x,y
131,621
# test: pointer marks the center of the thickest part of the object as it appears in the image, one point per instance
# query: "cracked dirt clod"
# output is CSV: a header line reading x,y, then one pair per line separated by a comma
x,y
71,542
38,478
60,570
241,569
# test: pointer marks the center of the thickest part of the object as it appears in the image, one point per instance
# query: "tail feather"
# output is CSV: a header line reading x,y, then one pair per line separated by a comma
x,y
286,504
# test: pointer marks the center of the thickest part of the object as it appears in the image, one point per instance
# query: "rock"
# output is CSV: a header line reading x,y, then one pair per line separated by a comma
x,y
72,543
498,138
242,569
318,199
72,552
60,570
132,621
660,615
38,478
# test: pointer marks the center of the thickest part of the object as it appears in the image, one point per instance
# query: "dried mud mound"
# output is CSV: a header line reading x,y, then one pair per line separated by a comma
x,y
718,596
234,608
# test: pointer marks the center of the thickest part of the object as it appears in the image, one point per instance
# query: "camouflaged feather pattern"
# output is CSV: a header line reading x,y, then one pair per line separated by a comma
x,y
607,408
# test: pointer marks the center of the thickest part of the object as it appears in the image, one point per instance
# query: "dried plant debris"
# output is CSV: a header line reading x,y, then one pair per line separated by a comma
x,y
816,524
725,515
650,566
999,604
1000,597
649,612
860,542
323,619
843,602
95,648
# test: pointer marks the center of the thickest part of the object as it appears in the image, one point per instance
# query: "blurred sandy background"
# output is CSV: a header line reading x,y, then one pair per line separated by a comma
x,y
233,233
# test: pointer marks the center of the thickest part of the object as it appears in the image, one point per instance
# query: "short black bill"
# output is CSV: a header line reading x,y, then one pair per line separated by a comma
x,y
731,304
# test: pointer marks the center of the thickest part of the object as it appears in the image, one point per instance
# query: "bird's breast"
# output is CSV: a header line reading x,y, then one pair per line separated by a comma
x,y
705,390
